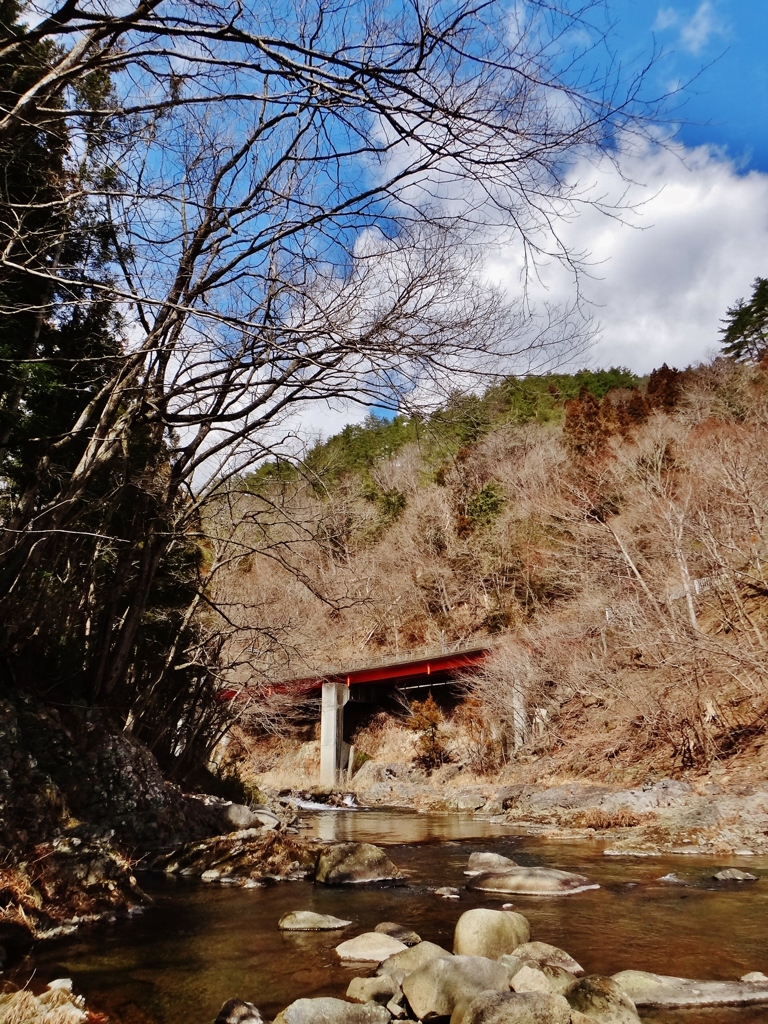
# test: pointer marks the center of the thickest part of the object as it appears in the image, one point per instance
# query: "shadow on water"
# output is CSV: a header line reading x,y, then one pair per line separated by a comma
x,y
199,944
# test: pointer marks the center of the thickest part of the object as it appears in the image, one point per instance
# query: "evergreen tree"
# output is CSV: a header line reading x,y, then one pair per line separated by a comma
x,y
745,334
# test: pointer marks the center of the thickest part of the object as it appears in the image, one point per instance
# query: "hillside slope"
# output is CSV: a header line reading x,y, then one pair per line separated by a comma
x,y
611,533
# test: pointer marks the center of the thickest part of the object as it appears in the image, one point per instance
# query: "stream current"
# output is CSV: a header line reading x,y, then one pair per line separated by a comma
x,y
200,944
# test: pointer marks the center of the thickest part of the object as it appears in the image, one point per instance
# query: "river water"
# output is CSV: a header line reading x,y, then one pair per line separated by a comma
x,y
200,944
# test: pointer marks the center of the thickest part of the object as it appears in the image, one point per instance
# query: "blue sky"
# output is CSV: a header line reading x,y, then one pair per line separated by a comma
x,y
725,44
694,232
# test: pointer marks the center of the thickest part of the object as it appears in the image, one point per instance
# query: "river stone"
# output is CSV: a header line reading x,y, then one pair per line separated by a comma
x,y
325,1010
412,959
517,1008
482,862
448,892
405,935
512,963
532,882
308,921
648,989
372,990
530,979
542,979
236,817
435,989
343,863
490,933
371,946
542,953
397,1010
734,875
237,1011
603,999
754,976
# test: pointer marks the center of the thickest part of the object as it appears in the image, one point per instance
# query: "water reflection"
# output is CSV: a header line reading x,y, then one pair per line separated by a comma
x,y
386,827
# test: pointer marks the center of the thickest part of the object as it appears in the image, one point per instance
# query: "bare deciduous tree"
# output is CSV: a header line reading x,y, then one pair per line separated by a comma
x,y
287,198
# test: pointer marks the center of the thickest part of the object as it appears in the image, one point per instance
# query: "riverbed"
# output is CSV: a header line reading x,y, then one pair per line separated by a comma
x,y
200,944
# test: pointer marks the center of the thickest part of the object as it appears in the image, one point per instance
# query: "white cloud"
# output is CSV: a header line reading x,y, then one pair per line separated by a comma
x,y
662,279
666,18
697,31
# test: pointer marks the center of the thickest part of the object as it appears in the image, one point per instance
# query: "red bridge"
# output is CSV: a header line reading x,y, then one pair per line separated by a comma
x,y
425,667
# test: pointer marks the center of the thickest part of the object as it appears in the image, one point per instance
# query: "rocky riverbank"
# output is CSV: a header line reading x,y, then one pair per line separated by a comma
x,y
709,814
81,805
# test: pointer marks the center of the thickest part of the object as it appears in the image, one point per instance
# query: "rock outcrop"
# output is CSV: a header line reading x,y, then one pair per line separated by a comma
x,y
248,858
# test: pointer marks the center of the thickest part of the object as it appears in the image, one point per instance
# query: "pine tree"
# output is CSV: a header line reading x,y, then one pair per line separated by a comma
x,y
745,334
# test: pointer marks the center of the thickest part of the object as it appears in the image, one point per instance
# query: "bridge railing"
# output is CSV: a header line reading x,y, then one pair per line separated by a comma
x,y
385,660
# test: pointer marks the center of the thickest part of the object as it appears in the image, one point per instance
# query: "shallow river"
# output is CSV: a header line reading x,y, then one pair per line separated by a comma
x,y
200,944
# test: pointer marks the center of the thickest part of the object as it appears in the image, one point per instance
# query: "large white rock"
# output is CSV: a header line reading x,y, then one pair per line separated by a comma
x,y
532,882
648,989
490,933
437,988
326,1010
412,959
370,946
517,1008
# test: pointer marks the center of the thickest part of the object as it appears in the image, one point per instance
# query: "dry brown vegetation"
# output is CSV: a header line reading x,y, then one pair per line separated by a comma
x,y
621,562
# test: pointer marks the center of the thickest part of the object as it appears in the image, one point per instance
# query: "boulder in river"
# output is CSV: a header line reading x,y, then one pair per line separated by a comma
x,y
482,862
371,946
309,921
532,882
603,999
734,875
436,989
236,817
648,989
412,959
345,863
405,935
448,892
541,953
517,1008
373,990
326,1010
237,1011
490,933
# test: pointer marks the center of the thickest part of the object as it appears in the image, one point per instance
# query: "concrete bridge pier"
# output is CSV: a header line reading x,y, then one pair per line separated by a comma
x,y
333,754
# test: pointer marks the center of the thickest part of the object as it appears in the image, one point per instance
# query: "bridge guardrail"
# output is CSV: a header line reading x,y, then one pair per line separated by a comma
x,y
384,660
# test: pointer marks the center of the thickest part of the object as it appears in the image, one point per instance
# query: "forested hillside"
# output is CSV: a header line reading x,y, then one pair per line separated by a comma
x,y
609,532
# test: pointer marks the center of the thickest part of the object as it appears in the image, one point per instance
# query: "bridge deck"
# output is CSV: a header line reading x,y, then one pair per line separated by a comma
x,y
407,667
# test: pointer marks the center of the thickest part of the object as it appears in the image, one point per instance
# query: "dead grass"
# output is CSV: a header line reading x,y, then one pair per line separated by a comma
x,y
600,820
